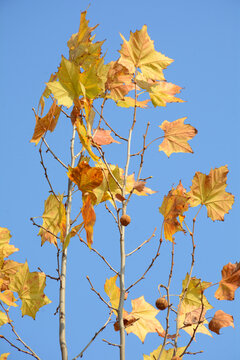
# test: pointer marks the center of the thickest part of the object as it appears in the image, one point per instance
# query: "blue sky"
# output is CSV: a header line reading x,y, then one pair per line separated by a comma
x,y
203,39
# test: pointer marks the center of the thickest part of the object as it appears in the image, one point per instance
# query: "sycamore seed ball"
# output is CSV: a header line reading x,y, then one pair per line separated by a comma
x,y
125,220
161,303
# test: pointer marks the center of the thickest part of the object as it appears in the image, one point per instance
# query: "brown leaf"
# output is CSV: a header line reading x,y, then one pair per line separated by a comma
x,y
139,185
220,320
127,321
194,317
119,81
229,283
103,137
48,122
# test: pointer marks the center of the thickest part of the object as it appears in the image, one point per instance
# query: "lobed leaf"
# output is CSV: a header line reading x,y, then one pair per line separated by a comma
x,y
166,354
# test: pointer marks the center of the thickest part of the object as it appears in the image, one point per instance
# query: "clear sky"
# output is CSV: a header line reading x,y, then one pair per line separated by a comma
x,y
203,39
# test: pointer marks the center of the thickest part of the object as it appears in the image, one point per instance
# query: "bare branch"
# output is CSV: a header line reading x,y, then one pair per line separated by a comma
x,y
55,156
42,227
99,295
145,242
109,343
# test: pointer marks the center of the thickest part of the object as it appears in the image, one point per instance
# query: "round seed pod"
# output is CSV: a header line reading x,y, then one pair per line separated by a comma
x,y
125,220
161,303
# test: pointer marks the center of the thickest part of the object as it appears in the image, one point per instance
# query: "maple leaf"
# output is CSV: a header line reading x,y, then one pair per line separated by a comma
x,y
5,248
7,268
229,283
54,220
3,318
209,190
119,81
176,135
194,306
145,313
166,354
68,88
137,186
220,320
103,137
4,356
30,287
172,208
84,138
130,102
7,297
139,52
89,218
48,122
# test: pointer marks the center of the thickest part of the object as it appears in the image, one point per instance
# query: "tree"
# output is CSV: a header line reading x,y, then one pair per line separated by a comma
x,y
80,82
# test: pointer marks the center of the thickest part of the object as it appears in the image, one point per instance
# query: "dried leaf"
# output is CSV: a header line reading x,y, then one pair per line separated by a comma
x,y
48,122
229,283
176,136
103,137
172,208
87,178
119,81
89,218
166,354
132,184
220,320
209,190
84,138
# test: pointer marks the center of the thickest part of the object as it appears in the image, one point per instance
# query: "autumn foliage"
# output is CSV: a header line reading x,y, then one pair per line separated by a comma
x,y
135,80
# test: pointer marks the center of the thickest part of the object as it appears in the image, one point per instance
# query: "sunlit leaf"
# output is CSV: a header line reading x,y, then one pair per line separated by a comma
x,y
85,140
166,354
135,185
103,137
146,321
172,208
176,136
54,220
48,122
4,356
89,218
8,298
3,318
113,292
30,287
119,81
229,283
85,177
220,320
5,248
209,190
139,52
130,102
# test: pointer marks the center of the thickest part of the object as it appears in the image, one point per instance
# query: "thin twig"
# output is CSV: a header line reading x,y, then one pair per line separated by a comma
x,y
31,352
145,242
14,346
64,112
168,300
42,227
49,276
45,171
110,211
149,267
94,337
101,116
55,156
100,255
110,343
115,133
99,295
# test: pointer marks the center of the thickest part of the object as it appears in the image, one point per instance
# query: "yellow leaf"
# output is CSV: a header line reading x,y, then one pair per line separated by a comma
x,y
85,140
54,220
4,356
30,287
5,248
134,185
172,208
176,135
8,298
3,318
113,292
130,102
139,52
166,354
85,177
209,190
146,321
48,122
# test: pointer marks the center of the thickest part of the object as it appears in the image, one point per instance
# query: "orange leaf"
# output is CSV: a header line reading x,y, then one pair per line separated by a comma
x,y
89,218
220,320
119,81
85,177
103,137
209,190
173,206
229,283
48,122
176,136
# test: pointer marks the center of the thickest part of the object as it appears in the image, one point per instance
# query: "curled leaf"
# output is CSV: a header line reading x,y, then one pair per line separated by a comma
x,y
103,137
220,320
89,218
229,283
